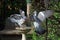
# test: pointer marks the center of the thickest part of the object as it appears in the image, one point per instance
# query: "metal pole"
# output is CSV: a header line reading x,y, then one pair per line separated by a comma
x,y
46,29
46,6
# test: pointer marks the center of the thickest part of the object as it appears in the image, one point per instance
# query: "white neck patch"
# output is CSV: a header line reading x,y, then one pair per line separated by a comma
x,y
35,24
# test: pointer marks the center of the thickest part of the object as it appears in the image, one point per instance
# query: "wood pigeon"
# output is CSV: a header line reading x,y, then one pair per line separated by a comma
x,y
16,19
39,18
37,24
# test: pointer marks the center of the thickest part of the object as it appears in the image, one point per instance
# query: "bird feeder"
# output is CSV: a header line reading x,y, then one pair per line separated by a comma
x,y
24,29
17,30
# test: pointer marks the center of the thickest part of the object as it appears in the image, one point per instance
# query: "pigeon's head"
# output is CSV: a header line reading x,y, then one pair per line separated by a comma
x,y
22,13
35,13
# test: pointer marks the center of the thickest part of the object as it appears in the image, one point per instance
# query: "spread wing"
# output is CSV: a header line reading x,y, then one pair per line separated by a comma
x,y
45,14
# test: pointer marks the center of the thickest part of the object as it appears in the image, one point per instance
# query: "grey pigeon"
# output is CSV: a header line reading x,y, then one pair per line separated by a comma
x,y
37,24
15,20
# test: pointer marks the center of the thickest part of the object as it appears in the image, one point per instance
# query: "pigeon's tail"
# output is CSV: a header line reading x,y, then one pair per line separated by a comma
x,y
40,32
38,28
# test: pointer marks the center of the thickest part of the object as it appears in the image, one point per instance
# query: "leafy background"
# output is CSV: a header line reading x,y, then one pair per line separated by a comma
x,y
8,7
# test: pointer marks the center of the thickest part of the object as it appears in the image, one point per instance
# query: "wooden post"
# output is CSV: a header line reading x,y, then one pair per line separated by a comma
x,y
28,7
23,36
28,12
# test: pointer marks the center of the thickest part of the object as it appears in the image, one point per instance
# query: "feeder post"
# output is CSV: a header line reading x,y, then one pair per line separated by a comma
x,y
28,7
28,12
23,36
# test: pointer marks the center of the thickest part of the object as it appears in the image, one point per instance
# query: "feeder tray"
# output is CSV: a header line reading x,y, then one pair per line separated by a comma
x,y
27,30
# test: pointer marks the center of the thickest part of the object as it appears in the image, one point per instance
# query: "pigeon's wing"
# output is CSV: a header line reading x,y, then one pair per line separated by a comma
x,y
45,14
41,16
21,21
48,13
